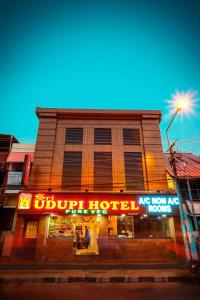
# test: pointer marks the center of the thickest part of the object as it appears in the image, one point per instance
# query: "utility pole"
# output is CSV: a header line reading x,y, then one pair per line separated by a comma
x,y
196,228
182,217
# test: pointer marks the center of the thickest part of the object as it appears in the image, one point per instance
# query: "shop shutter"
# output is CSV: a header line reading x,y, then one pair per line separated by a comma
x,y
6,218
102,136
131,136
102,171
133,171
74,136
72,166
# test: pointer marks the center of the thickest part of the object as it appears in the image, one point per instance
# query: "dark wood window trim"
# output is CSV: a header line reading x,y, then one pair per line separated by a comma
x,y
72,169
102,136
131,136
103,171
133,171
74,136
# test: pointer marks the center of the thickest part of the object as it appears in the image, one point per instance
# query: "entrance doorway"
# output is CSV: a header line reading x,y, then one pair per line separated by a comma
x,y
30,238
86,237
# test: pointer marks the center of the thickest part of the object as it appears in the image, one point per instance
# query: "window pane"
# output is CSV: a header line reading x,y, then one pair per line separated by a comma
x,y
103,171
131,136
60,226
74,136
72,167
102,136
151,227
133,171
125,226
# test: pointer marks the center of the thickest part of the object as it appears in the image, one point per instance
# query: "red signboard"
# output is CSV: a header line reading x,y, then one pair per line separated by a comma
x,y
92,203
27,169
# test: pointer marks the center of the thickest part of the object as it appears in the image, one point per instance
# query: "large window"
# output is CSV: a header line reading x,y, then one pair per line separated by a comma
x,y
103,171
143,227
74,136
125,226
133,171
60,226
151,227
102,136
131,136
72,166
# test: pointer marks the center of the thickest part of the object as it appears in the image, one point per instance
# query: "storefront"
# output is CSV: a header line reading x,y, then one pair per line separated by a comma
x,y
65,227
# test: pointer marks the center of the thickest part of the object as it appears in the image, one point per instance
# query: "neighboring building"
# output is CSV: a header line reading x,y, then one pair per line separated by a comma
x,y
14,181
188,173
6,142
98,190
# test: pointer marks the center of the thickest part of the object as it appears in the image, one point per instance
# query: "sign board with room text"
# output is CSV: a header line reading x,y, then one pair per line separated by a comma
x,y
94,203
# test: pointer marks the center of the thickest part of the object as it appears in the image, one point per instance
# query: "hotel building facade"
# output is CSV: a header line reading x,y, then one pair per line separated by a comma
x,y
98,191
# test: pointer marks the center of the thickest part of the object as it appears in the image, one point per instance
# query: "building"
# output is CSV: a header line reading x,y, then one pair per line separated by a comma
x,y
17,169
6,142
188,173
98,190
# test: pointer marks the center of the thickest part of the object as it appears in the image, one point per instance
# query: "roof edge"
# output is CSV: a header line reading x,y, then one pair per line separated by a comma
x,y
97,113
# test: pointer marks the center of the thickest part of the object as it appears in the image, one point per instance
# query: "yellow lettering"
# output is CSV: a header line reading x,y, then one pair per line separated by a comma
x,y
50,204
93,205
39,204
39,197
62,204
114,204
134,206
80,204
104,205
124,205
72,204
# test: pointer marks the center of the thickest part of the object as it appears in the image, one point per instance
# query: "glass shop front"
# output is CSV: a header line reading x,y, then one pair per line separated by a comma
x,y
85,230
92,224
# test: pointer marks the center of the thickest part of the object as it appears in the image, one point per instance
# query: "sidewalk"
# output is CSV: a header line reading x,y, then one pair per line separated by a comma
x,y
91,273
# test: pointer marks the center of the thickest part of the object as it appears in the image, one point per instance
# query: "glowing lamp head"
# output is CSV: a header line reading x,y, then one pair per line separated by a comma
x,y
183,101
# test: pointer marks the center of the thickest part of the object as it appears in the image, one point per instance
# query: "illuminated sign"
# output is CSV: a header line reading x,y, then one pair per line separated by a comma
x,y
86,211
26,169
96,204
159,204
24,201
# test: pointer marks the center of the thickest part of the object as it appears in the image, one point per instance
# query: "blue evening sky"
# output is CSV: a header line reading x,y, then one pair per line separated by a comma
x,y
98,54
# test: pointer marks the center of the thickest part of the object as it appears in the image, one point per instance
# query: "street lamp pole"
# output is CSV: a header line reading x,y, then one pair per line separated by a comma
x,y
174,116
173,164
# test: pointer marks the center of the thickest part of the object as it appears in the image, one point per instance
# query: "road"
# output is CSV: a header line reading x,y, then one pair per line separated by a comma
x,y
100,291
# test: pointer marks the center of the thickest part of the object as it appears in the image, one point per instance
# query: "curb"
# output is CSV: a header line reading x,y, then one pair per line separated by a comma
x,y
95,279
77,266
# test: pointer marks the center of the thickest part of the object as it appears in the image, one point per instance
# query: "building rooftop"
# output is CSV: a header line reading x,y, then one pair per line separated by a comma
x,y
97,113
186,163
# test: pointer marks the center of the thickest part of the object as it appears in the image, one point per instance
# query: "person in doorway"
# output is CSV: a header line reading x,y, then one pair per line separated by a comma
x,y
78,240
86,241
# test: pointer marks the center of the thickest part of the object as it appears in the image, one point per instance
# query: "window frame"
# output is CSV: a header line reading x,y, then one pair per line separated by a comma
x,y
133,141
96,142
69,140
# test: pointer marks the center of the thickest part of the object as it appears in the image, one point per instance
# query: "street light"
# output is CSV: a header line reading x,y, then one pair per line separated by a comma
x,y
181,102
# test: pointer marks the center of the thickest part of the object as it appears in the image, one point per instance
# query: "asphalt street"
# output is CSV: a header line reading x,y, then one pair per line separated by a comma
x,y
101,291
